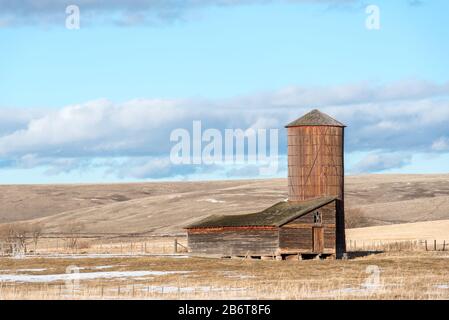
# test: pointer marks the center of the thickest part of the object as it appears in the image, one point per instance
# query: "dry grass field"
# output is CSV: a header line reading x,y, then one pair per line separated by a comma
x,y
410,275
124,245
429,230
163,208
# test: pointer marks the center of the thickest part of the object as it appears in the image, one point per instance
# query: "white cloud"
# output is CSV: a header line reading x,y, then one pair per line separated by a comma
x,y
377,162
379,117
124,12
441,144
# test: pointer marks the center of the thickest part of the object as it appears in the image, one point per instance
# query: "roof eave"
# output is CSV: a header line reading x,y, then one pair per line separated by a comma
x,y
314,125
306,211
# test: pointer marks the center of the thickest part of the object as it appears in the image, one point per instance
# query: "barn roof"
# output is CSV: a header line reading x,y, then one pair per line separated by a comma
x,y
276,215
315,118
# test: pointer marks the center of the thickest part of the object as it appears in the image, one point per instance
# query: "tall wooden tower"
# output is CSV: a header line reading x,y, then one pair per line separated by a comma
x,y
316,164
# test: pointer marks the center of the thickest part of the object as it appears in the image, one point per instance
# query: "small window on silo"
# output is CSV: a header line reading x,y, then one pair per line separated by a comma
x,y
317,217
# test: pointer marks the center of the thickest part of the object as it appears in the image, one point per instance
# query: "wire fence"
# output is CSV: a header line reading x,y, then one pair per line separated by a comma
x,y
134,244
397,245
94,244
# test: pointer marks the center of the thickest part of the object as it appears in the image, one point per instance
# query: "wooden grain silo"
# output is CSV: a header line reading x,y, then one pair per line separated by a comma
x,y
310,223
316,163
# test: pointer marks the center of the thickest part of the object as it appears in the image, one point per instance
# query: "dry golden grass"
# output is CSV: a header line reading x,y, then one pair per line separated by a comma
x,y
429,230
164,208
117,246
407,271
405,275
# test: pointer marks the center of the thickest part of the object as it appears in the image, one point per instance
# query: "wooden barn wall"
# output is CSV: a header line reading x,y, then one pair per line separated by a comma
x,y
296,238
297,234
329,238
234,242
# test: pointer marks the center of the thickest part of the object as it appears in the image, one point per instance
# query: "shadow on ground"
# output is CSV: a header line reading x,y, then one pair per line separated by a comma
x,y
361,254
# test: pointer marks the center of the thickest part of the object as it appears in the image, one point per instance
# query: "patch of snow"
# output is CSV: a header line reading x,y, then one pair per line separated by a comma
x,y
171,256
362,291
212,200
82,276
32,270
442,286
173,289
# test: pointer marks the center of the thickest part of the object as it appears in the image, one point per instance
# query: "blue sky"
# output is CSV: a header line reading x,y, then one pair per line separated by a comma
x,y
98,104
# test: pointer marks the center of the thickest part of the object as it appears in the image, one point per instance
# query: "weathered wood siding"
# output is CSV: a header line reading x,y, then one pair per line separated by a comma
x,y
316,169
233,241
297,235
329,238
315,162
296,238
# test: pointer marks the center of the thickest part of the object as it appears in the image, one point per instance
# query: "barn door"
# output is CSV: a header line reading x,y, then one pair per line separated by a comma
x,y
318,239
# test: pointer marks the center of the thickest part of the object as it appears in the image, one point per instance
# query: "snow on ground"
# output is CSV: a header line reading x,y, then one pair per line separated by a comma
x,y
32,270
82,276
174,289
100,267
211,200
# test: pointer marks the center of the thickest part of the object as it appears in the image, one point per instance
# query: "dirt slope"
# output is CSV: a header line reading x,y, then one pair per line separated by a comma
x,y
166,207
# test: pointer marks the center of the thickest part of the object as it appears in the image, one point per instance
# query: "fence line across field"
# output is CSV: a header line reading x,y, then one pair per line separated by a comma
x,y
397,245
89,243
132,243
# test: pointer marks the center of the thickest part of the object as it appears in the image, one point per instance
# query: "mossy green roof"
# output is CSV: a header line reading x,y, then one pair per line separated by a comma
x,y
315,118
276,215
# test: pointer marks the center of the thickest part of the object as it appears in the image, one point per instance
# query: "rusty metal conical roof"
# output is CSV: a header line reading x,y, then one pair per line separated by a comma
x,y
315,118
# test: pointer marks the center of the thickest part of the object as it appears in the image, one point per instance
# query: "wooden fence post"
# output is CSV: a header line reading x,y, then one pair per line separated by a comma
x,y
175,245
426,245
444,245
434,245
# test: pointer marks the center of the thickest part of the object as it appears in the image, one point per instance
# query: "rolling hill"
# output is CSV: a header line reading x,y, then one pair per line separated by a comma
x,y
163,208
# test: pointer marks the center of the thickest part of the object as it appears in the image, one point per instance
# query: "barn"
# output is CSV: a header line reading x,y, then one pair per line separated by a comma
x,y
310,223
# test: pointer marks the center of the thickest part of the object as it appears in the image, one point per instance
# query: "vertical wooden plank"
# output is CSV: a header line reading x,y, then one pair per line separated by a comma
x,y
318,239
